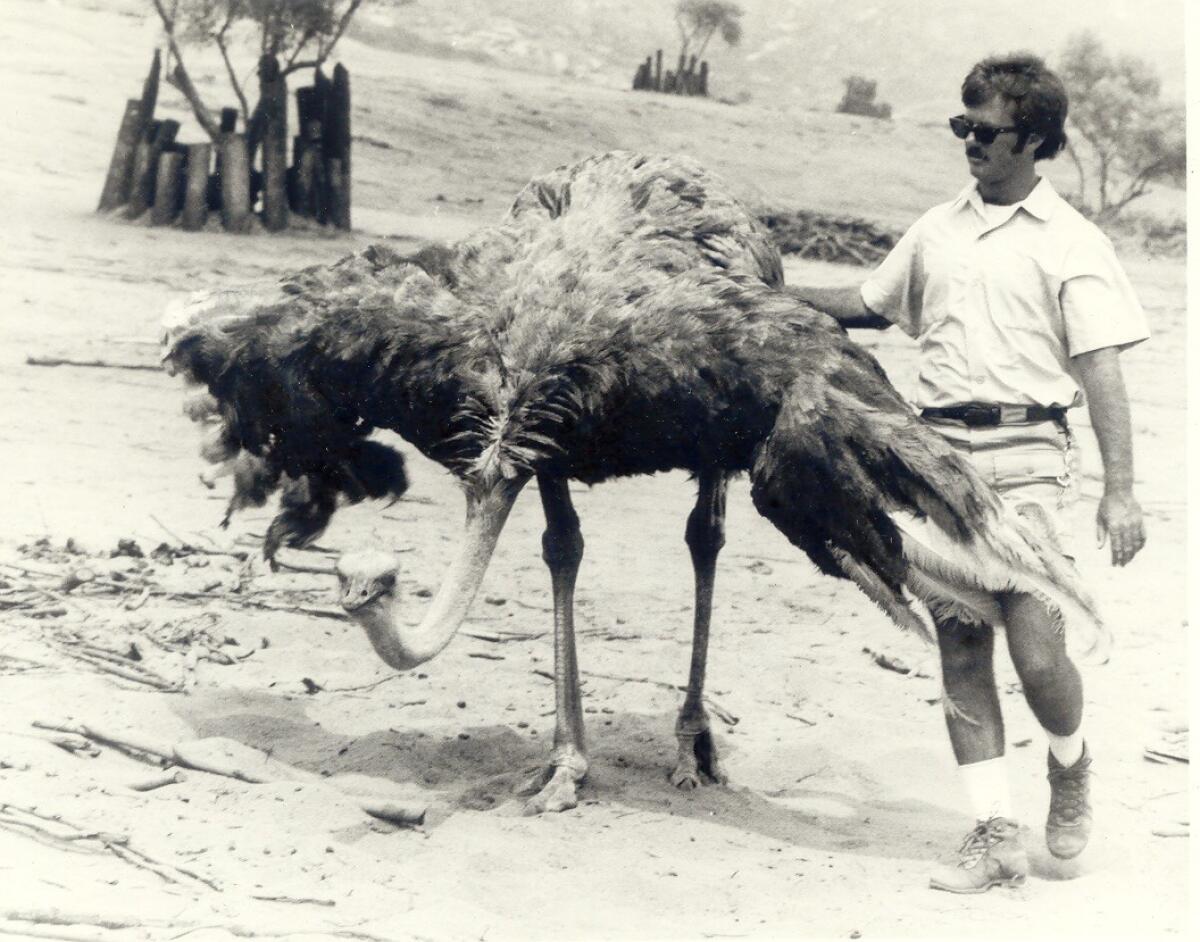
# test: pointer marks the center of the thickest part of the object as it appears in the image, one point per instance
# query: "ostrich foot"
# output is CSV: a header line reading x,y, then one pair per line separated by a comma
x,y
553,787
697,764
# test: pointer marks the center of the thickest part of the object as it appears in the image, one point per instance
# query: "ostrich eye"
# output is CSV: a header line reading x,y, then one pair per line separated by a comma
x,y
387,580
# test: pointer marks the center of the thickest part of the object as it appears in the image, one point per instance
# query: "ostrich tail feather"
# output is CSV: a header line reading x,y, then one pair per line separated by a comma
x,y
893,603
961,580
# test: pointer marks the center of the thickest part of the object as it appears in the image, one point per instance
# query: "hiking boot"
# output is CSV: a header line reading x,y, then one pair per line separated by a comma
x,y
1069,824
991,855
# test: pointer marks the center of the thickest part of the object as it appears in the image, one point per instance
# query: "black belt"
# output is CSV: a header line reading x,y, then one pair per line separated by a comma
x,y
983,414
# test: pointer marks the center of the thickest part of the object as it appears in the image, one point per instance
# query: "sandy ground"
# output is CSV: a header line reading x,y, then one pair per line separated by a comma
x,y
842,788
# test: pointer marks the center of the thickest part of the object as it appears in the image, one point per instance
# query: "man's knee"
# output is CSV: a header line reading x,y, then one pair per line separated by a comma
x,y
966,650
1035,643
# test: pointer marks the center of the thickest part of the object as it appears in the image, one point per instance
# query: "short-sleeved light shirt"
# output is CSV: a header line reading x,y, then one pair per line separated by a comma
x,y
1001,298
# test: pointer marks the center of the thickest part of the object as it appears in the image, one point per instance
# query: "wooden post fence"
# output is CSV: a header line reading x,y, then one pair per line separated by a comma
x,y
180,183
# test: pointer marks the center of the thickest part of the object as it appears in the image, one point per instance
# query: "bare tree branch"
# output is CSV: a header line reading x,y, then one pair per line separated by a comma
x,y
219,38
179,76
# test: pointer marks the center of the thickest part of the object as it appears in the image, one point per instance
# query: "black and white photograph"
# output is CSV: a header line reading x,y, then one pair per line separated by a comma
x,y
553,470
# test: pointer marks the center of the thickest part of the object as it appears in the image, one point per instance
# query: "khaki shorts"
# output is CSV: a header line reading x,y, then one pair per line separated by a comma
x,y
1033,466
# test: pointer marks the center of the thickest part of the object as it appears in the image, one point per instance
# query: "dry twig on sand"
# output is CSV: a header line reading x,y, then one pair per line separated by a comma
x,y
55,830
83,926
101,364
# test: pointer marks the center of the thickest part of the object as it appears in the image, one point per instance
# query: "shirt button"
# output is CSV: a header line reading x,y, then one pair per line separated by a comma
x,y
978,380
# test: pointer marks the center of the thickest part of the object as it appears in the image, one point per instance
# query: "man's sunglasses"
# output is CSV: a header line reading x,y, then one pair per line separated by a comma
x,y
985,134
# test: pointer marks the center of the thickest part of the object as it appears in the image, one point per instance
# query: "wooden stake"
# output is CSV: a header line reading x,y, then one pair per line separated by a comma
x,y
274,99
120,167
145,169
235,184
195,199
337,132
167,188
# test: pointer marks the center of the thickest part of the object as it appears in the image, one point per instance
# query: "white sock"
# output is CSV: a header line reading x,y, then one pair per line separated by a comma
x,y
987,788
1066,749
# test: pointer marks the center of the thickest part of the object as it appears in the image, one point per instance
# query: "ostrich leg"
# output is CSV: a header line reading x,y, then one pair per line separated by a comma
x,y
705,536
553,788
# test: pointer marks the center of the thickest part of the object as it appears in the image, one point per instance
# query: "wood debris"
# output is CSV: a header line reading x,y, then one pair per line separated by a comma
x,y
828,238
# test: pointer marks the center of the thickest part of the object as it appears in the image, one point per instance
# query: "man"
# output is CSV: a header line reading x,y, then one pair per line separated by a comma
x,y
1016,302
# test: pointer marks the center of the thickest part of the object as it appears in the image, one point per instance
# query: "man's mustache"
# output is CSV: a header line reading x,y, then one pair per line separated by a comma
x,y
975,152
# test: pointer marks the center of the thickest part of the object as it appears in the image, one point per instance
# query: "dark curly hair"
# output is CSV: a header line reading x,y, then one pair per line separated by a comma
x,y
1038,96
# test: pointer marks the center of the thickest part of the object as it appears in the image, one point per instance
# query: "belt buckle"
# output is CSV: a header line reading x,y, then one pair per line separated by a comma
x,y
980,414
1011,414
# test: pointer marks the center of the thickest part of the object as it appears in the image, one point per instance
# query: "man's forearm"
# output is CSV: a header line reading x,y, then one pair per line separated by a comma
x,y
845,305
1108,404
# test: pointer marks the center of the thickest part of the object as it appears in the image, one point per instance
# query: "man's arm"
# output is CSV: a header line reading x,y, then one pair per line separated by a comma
x,y
1119,515
845,305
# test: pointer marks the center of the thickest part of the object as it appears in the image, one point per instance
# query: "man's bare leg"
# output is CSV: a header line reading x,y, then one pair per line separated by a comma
x,y
1054,691
992,854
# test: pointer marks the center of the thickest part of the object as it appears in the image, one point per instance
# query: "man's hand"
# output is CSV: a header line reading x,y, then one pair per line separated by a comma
x,y
1119,518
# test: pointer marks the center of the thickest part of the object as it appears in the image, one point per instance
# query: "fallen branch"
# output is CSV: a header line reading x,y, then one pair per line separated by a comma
x,y
100,364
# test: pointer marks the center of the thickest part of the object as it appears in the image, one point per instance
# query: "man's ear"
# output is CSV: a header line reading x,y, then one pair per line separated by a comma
x,y
1030,143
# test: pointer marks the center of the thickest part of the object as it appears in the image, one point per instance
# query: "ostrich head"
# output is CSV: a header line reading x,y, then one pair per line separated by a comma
x,y
367,584
367,580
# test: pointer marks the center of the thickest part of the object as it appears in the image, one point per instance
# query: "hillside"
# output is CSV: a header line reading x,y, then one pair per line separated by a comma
x,y
794,53
455,138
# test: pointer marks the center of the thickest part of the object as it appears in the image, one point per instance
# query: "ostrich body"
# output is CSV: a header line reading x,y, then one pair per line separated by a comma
x,y
624,319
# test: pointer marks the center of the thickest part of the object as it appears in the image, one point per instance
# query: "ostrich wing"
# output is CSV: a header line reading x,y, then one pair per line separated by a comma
x,y
853,477
301,371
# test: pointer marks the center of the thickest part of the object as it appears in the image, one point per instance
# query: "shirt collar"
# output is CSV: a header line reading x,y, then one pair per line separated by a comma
x,y
1040,202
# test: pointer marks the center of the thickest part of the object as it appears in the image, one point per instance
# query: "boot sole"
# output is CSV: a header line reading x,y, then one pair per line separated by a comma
x,y
1014,881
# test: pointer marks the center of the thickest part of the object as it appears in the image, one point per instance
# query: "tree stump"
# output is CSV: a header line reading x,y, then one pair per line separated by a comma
x,y
195,198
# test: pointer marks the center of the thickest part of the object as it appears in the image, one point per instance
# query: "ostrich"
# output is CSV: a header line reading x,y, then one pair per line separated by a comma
x,y
625,318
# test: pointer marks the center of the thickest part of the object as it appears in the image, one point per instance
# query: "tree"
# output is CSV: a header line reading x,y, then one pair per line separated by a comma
x,y
699,20
1130,136
282,30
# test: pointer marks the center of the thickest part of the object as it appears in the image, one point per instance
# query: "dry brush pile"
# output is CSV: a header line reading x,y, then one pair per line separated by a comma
x,y
828,238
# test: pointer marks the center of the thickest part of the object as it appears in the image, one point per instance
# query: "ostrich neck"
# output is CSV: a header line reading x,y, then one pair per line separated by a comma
x,y
404,646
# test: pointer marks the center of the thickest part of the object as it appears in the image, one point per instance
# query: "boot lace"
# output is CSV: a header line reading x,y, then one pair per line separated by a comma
x,y
1068,792
981,840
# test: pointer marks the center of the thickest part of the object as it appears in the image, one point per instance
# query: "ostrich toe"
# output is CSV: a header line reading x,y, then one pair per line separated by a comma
x,y
697,763
552,787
